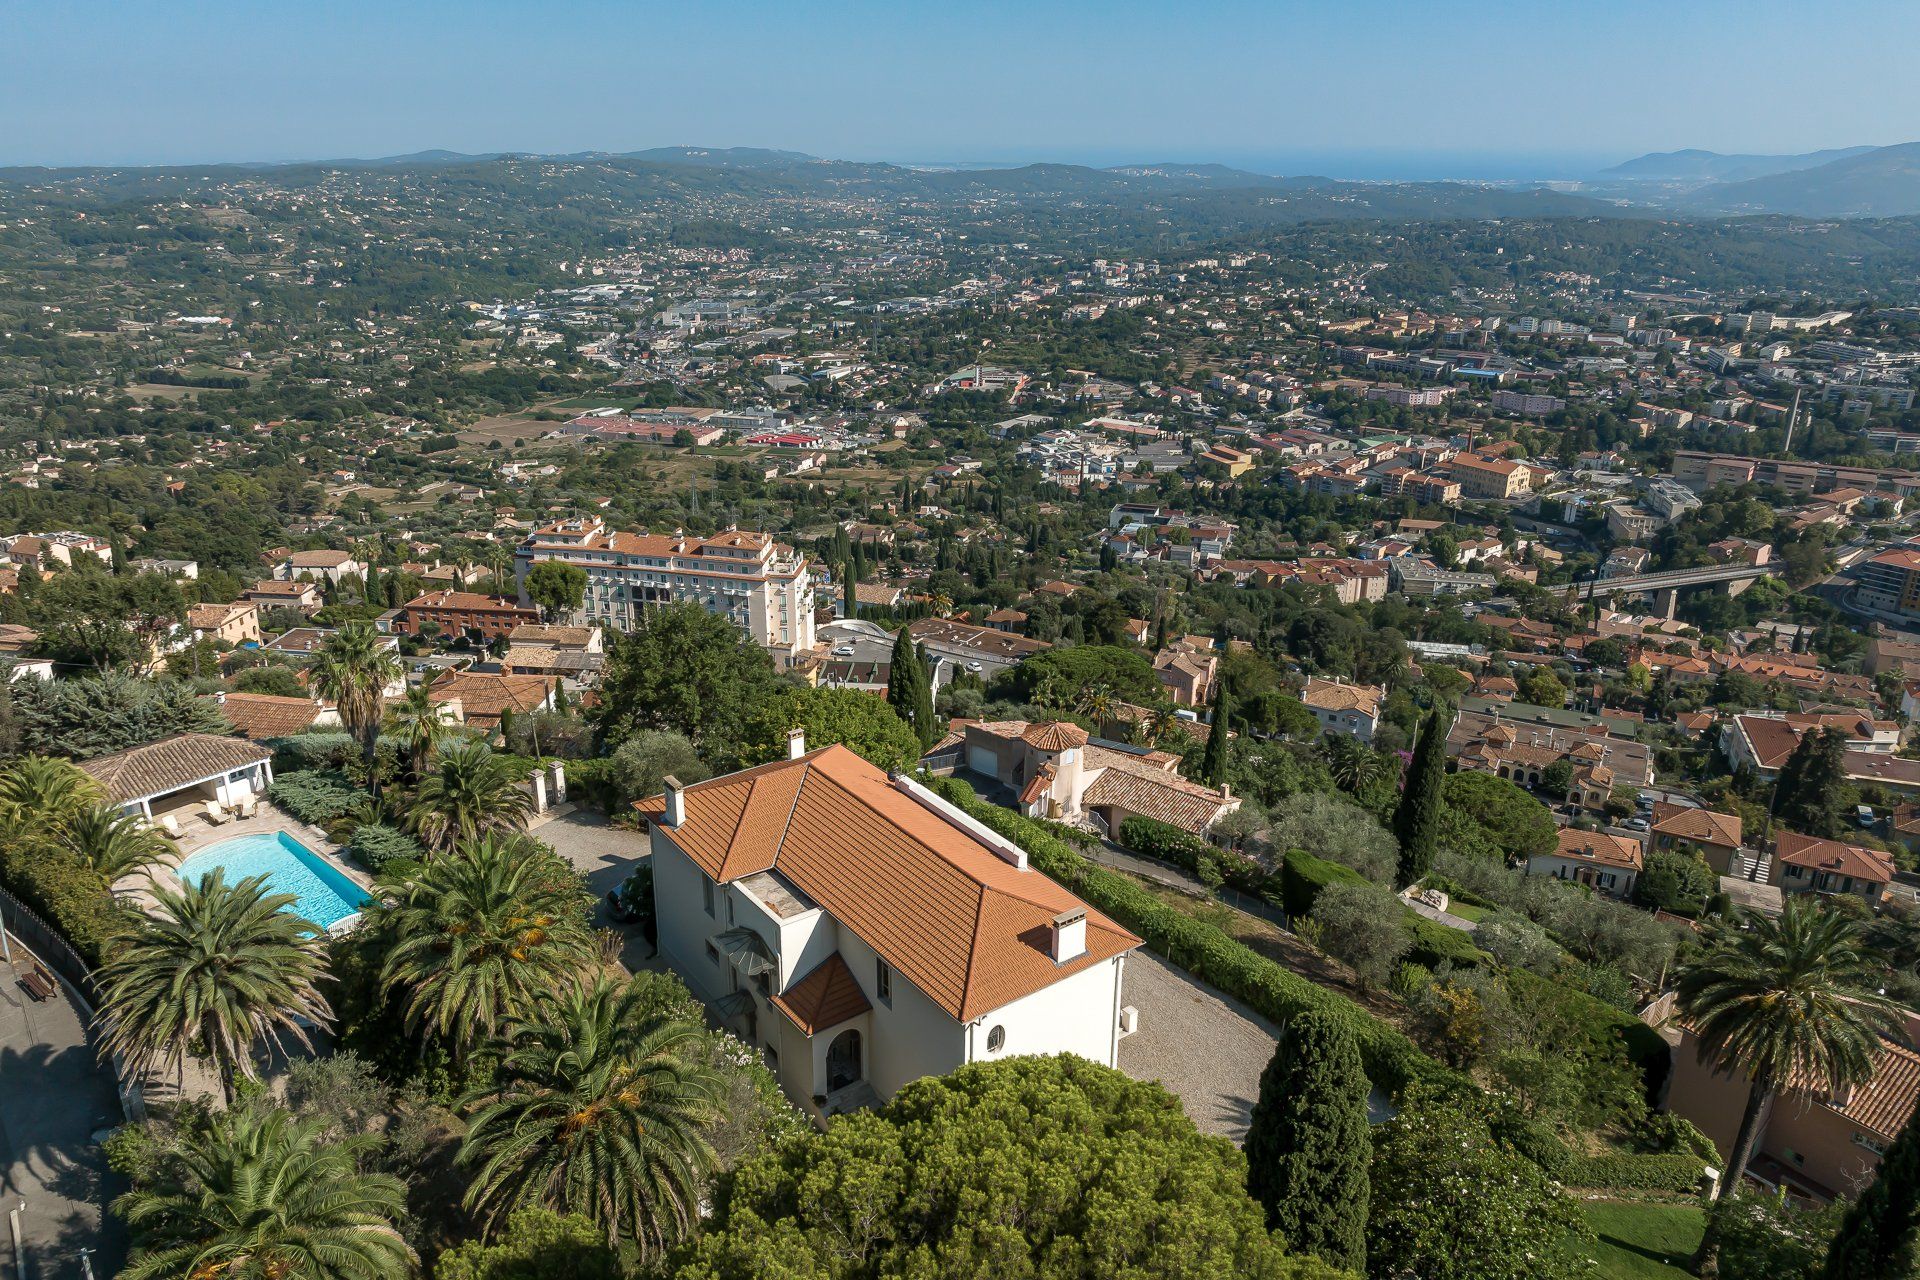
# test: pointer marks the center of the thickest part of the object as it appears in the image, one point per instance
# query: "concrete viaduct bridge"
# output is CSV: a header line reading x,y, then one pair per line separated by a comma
x,y
1665,587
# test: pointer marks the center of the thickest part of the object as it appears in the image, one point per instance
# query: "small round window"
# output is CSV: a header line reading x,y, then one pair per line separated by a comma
x,y
996,1039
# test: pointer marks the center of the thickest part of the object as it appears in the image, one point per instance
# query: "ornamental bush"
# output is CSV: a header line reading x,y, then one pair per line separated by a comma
x,y
316,796
319,750
66,893
377,846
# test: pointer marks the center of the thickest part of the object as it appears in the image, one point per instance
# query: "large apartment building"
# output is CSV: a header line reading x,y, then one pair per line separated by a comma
x,y
763,586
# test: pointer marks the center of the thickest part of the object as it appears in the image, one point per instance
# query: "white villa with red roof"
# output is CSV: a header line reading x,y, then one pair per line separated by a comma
x,y
863,933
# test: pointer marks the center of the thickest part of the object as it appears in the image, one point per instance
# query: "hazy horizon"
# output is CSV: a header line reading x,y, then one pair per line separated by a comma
x,y
1364,89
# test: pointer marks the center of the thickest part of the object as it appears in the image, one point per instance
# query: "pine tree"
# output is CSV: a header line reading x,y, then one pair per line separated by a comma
x,y
1876,1239
1814,796
1308,1145
1416,824
1213,763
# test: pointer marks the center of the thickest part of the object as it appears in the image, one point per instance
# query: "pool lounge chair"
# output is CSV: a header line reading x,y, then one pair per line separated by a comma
x,y
217,815
171,825
248,807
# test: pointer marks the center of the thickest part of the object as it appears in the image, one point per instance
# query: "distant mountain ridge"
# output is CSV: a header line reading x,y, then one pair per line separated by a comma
x,y
1883,182
1695,165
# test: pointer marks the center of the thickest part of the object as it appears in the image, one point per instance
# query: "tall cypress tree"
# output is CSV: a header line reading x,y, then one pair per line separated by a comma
x,y
1876,1239
905,679
925,722
1814,796
1416,824
1308,1145
1213,764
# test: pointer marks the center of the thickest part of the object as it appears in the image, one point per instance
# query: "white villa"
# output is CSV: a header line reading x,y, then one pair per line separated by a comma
x,y
864,933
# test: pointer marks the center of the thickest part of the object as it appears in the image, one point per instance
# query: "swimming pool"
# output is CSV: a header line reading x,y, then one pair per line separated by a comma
x,y
322,894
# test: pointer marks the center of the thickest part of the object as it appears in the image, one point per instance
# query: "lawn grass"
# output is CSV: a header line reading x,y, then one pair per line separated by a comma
x,y
1643,1241
1466,911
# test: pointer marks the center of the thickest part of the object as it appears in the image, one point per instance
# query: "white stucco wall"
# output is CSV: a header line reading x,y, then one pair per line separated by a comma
x,y
1079,1014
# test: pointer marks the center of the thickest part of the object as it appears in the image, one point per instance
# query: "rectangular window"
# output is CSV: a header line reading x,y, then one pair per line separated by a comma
x,y
883,981
713,953
706,894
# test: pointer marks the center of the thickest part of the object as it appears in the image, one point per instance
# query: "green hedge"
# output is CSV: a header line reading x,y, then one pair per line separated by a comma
x,y
1303,876
376,846
1207,952
1434,942
1392,1061
316,796
1164,841
66,893
1601,1026
1676,1173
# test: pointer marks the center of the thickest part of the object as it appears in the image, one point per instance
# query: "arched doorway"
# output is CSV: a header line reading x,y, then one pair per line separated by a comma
x,y
843,1060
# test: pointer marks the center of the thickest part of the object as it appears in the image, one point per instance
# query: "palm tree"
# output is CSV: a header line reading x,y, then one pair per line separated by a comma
x,y
257,1193
354,670
1098,703
44,793
214,968
1160,724
470,792
1783,1002
481,933
1354,765
114,843
416,724
597,1108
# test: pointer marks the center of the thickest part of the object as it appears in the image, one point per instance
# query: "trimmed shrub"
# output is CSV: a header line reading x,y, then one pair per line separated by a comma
x,y
1675,1173
1434,942
1303,876
316,796
376,846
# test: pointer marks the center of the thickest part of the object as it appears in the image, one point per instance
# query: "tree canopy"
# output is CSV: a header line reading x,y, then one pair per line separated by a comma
x,y
1031,1167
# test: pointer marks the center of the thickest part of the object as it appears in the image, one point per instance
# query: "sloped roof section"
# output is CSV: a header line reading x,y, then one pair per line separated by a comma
x,y
944,910
826,997
170,764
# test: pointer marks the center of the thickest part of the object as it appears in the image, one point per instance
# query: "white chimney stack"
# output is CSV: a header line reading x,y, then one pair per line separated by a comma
x,y
1070,935
796,743
676,803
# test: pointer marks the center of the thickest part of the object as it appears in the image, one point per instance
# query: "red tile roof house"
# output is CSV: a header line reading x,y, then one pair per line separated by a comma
x,y
1608,863
863,933
1803,864
1814,1143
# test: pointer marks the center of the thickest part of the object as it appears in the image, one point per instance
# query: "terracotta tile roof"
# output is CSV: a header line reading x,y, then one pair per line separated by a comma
x,y
262,715
1148,786
1702,826
1599,847
826,997
170,764
1885,1102
1797,850
1335,695
1056,735
484,695
963,925
558,637
211,617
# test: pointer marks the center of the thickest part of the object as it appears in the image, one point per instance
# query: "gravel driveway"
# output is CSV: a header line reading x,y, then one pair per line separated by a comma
x,y
606,856
1206,1048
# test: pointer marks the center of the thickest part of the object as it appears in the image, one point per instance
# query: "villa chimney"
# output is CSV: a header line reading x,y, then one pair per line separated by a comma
x,y
676,803
796,743
1226,792
1070,935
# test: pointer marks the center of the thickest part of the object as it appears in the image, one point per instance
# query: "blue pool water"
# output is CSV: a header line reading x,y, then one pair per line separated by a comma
x,y
322,894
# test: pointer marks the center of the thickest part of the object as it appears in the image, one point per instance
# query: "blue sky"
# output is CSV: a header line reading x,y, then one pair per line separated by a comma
x,y
1354,87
